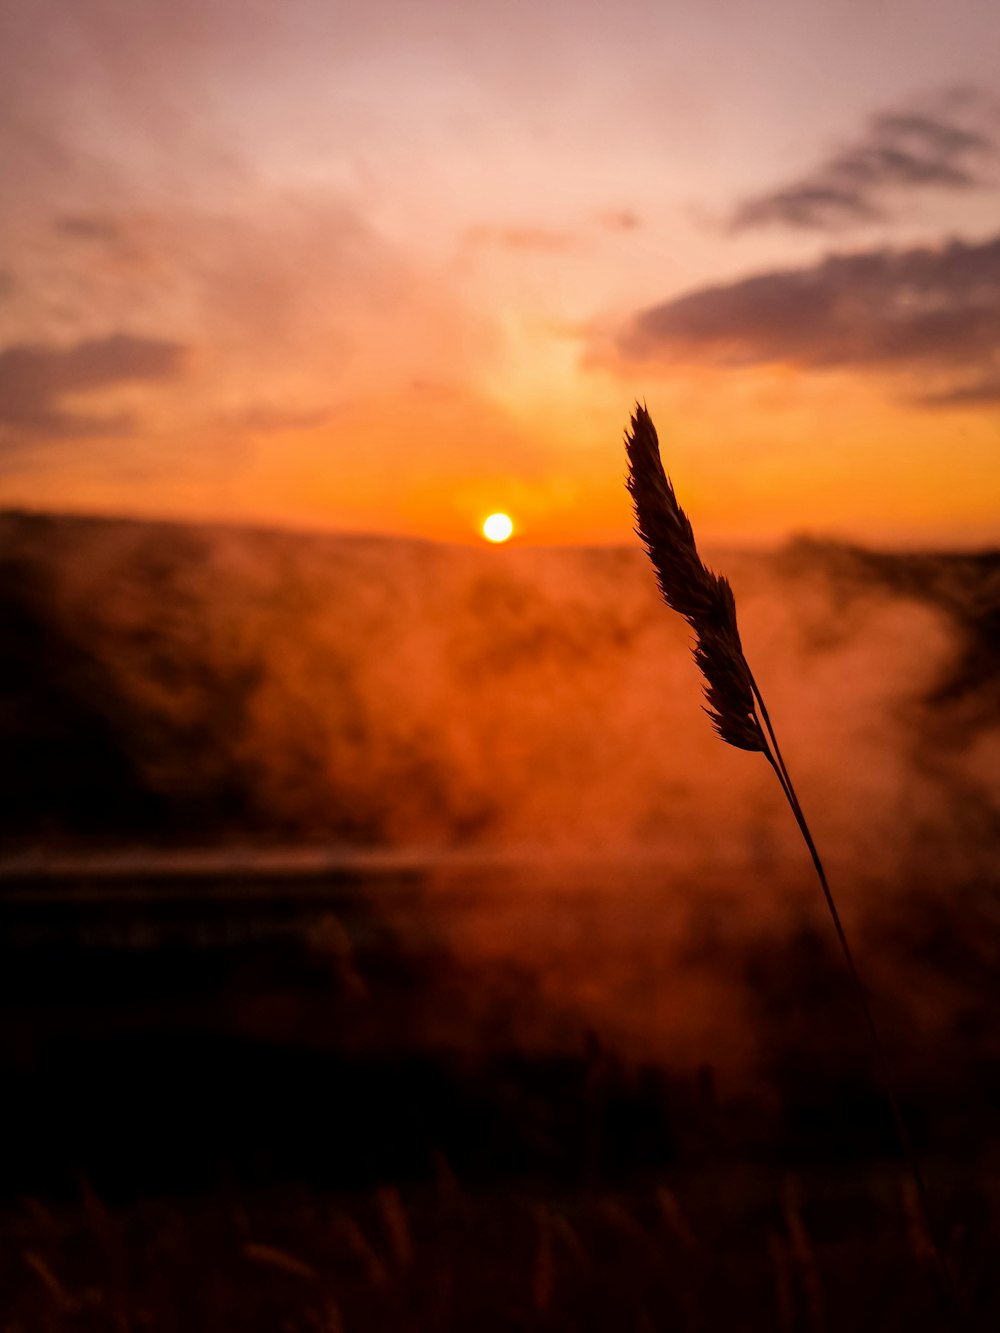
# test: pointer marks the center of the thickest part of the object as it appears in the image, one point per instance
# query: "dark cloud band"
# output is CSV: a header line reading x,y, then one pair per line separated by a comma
x,y
949,145
919,311
34,380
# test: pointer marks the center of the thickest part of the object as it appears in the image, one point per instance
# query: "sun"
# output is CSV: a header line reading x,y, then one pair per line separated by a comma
x,y
497,528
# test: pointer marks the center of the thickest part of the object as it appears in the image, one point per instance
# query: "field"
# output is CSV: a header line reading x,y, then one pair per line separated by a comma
x,y
254,1100
387,943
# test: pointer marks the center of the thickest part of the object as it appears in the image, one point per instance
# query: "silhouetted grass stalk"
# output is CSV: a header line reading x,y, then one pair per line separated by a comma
x,y
735,704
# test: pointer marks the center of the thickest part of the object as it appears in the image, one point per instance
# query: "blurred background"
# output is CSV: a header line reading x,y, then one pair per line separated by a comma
x,y
387,941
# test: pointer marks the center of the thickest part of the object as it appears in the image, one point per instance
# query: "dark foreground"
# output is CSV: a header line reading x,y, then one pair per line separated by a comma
x,y
732,1248
283,1102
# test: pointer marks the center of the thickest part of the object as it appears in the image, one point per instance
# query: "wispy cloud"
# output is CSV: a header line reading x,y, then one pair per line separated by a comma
x,y
983,391
89,227
268,419
619,219
34,380
541,240
949,143
914,312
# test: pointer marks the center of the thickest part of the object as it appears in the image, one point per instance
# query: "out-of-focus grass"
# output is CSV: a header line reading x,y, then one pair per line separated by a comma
x,y
742,1247
276,1137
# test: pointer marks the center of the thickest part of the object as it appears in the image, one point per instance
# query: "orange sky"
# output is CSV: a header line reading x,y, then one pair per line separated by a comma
x,y
396,265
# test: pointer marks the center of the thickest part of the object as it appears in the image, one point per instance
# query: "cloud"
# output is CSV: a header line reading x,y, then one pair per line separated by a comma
x,y
89,227
553,240
919,311
945,145
982,392
619,219
34,380
269,419
541,240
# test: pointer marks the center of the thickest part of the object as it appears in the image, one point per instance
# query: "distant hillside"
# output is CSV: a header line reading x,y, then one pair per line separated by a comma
x,y
182,684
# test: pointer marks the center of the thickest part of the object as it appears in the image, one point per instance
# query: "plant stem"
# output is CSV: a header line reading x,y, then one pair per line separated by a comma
x,y
772,753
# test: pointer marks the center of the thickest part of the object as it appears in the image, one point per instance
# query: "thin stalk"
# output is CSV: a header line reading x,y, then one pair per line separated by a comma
x,y
734,702
772,753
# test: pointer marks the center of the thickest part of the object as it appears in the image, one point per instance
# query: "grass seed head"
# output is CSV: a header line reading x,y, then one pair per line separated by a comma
x,y
703,598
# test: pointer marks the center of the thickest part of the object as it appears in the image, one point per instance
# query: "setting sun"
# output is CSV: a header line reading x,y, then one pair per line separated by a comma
x,y
497,528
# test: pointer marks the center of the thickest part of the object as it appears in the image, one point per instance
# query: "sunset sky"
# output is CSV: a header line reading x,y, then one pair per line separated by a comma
x,y
395,265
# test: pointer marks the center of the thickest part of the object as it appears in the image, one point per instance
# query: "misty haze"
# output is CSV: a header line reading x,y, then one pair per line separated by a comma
x,y
398,806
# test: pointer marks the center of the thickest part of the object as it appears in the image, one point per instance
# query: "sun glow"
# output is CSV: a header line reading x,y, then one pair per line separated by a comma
x,y
497,528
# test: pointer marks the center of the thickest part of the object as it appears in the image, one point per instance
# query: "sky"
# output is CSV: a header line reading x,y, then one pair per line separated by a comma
x,y
391,266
